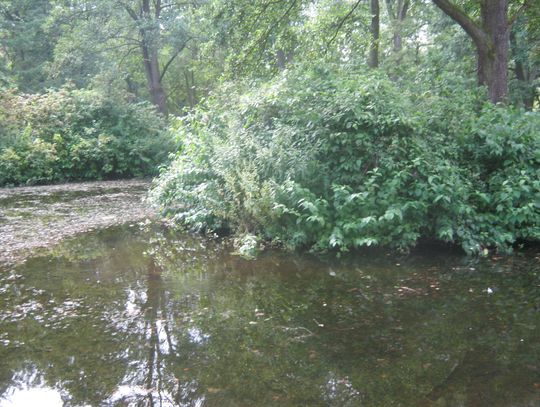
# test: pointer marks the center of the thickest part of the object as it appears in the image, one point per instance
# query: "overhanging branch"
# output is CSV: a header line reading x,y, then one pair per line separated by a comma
x,y
340,25
460,17
172,58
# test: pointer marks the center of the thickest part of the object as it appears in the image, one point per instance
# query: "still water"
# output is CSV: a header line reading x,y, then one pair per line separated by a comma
x,y
138,315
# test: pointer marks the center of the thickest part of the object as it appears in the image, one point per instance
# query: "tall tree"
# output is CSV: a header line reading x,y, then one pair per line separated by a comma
x,y
491,37
25,47
525,55
147,15
374,28
139,39
397,12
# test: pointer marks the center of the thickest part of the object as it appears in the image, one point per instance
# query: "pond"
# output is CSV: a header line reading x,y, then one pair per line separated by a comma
x,y
140,315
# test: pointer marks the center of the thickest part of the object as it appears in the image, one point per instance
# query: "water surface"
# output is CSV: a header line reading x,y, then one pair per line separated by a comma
x,y
41,216
138,315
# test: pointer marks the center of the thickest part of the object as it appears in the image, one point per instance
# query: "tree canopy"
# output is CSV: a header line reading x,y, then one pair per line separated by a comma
x,y
173,53
313,123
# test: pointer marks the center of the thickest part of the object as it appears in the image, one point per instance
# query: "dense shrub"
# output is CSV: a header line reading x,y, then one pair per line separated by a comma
x,y
326,158
71,134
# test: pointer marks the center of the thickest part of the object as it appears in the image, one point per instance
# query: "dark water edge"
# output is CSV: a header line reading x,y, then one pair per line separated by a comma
x,y
139,315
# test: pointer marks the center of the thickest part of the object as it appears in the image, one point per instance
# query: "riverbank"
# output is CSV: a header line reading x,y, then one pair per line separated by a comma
x,y
39,217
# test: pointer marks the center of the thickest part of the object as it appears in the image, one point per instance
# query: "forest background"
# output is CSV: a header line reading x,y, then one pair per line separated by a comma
x,y
323,124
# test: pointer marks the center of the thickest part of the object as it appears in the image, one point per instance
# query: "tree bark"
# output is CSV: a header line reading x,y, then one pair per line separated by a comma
x,y
495,24
153,77
374,28
491,40
150,50
150,57
397,16
283,59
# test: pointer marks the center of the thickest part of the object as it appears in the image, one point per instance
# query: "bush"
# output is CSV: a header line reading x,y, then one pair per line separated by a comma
x,y
68,135
327,158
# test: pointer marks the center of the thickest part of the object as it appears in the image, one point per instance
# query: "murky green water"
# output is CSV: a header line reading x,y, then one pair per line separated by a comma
x,y
137,316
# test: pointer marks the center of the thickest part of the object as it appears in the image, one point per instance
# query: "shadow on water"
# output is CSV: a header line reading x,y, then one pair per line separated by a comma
x,y
141,316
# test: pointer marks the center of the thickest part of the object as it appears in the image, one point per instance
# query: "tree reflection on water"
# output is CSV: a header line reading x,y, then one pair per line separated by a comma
x,y
147,318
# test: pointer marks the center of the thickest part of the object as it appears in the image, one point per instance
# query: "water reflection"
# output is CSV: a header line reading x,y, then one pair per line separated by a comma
x,y
133,317
45,397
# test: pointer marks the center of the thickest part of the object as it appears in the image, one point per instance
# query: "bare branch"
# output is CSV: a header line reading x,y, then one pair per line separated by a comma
x,y
340,25
130,11
263,38
173,57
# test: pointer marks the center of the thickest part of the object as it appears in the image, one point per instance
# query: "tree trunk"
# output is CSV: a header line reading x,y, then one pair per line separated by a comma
x,y
153,78
397,15
131,86
524,75
283,59
373,61
148,27
494,62
190,88
491,40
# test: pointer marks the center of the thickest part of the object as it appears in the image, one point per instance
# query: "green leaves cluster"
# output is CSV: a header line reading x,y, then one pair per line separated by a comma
x,y
329,158
71,134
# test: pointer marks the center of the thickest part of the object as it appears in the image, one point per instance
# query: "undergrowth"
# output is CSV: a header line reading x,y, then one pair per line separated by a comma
x,y
326,158
68,135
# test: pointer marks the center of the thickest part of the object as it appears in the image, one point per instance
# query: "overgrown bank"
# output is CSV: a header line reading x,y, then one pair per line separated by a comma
x,y
72,135
330,158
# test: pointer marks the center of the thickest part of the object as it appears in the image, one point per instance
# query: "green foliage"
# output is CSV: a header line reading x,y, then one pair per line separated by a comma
x,y
327,158
504,153
71,134
27,47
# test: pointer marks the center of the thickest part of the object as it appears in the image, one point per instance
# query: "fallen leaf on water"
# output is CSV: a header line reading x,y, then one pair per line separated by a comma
x,y
213,390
